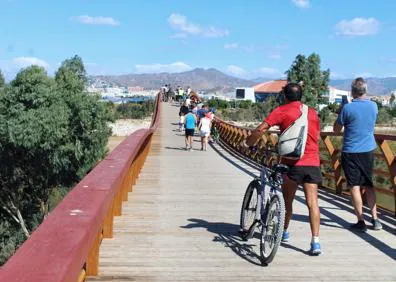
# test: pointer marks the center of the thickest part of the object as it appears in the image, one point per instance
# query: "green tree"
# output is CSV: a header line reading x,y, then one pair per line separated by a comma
x,y
315,81
33,124
71,76
88,122
2,80
51,135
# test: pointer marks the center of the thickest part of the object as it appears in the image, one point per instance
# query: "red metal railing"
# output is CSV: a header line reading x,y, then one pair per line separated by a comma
x,y
330,149
65,247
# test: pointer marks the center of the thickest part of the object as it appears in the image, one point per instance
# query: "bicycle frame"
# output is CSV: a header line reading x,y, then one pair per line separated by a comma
x,y
269,185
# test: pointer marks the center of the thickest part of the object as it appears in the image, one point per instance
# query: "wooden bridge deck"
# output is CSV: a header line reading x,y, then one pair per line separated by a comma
x,y
181,222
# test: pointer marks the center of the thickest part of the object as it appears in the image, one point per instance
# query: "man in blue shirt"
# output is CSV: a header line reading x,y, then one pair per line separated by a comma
x,y
357,159
190,123
201,113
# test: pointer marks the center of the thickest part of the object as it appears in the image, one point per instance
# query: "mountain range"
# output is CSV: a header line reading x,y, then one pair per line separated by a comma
x,y
375,85
214,80
199,79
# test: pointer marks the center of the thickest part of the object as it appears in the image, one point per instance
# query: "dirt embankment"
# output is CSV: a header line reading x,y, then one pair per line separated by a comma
x,y
124,127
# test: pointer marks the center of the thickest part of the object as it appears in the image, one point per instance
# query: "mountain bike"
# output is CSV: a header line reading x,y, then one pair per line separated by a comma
x,y
263,208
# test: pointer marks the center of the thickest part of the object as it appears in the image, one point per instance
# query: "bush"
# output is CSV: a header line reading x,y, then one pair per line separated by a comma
x,y
218,104
384,116
247,110
131,110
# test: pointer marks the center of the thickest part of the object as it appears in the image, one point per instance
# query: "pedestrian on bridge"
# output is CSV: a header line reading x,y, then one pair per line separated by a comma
x,y
304,171
190,123
182,114
205,125
357,159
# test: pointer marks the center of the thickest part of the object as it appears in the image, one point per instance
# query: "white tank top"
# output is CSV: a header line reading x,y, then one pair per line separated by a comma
x,y
205,124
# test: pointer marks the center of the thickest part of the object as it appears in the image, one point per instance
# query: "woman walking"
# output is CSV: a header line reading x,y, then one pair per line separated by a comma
x,y
204,126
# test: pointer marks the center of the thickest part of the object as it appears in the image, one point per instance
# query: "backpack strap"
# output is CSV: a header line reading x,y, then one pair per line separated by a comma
x,y
304,110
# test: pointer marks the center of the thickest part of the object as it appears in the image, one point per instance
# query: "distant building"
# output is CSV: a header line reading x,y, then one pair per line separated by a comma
x,y
135,88
261,92
113,91
245,93
335,95
383,100
268,89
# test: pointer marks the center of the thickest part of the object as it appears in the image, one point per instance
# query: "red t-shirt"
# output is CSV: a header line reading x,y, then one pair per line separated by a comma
x,y
285,115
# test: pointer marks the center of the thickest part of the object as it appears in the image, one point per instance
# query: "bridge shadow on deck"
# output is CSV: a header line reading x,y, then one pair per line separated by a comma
x,y
227,234
333,220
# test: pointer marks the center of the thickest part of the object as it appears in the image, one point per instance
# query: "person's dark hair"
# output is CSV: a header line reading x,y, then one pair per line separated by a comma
x,y
293,91
359,86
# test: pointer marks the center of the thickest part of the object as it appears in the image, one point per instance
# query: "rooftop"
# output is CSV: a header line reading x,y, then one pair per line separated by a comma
x,y
273,86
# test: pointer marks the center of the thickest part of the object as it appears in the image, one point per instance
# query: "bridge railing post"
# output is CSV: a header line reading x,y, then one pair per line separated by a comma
x,y
108,223
390,160
92,264
335,163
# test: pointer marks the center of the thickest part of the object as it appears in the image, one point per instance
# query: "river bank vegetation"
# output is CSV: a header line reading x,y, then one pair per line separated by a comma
x,y
51,134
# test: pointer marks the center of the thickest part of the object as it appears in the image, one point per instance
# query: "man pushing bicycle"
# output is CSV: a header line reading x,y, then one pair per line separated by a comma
x,y
305,169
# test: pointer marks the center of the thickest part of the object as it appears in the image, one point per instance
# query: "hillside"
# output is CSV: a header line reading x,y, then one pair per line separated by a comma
x,y
376,86
215,80
199,78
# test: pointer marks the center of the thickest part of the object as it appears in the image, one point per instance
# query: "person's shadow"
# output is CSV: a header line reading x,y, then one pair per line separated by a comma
x,y
227,234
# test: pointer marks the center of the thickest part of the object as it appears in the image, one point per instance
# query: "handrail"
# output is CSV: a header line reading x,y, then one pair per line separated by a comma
x,y
65,247
232,136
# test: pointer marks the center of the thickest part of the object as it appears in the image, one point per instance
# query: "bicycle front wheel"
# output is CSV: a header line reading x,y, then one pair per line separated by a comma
x,y
271,233
250,206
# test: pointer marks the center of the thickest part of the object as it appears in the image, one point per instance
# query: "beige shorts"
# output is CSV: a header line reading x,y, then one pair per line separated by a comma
x,y
205,133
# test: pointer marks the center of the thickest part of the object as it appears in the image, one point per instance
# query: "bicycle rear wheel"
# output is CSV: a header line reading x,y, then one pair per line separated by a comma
x,y
271,234
250,204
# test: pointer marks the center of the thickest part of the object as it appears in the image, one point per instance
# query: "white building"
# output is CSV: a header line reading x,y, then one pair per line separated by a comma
x,y
113,91
335,95
245,93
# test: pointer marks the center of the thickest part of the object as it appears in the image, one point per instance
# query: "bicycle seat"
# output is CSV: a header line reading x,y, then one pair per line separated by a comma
x,y
280,168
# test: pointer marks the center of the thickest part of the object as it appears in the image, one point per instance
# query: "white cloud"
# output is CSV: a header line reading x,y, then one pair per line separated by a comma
x,y
231,46
301,3
357,27
12,66
23,62
215,32
235,70
269,71
274,56
100,20
157,68
180,22
182,25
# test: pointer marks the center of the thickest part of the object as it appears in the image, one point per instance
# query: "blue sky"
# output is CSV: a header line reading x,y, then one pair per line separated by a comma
x,y
243,38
